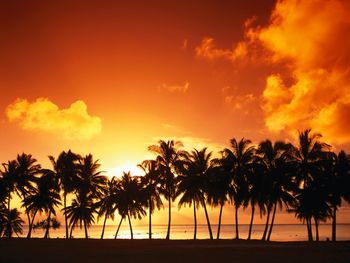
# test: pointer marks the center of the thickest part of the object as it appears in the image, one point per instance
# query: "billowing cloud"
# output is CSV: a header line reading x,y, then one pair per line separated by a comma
x,y
43,115
181,88
313,38
306,46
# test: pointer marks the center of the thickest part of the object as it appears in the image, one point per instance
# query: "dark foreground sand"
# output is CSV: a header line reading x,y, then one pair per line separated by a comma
x,y
143,251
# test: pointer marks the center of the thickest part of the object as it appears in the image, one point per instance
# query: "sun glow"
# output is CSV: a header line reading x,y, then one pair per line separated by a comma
x,y
126,167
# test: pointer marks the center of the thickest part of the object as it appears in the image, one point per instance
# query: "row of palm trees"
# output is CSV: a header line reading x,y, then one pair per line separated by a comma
x,y
308,179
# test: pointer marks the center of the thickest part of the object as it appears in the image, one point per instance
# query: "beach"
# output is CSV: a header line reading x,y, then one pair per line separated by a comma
x,y
94,250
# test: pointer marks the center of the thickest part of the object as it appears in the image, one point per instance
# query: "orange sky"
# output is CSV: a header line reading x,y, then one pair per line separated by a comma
x,y
111,78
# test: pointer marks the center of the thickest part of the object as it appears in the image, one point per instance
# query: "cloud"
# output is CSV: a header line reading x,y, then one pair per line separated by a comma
x,y
175,88
305,47
313,37
239,102
43,115
208,50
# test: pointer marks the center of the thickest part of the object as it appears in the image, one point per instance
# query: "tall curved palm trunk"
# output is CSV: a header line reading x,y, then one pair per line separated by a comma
x,y
236,222
219,224
251,222
195,220
169,218
207,217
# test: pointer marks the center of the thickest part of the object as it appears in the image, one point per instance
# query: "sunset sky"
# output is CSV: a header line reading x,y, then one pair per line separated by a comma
x,y
112,77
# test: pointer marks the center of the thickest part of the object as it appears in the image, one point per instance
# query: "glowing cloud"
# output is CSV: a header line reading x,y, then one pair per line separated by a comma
x,y
175,88
313,38
208,50
43,115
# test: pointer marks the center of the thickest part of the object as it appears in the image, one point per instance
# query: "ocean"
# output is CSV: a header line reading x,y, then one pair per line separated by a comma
x,y
282,232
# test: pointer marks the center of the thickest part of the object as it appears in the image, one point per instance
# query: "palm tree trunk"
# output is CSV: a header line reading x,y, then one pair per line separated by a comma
x,y
251,222
48,225
316,227
131,233
31,224
71,231
334,224
85,228
207,216
104,225
27,213
65,215
309,229
267,222
150,220
195,220
236,217
120,223
272,222
169,218
219,225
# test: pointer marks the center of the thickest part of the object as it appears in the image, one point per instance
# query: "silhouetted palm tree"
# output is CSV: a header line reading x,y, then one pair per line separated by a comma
x,y
107,204
167,158
66,169
218,189
130,199
80,213
90,187
151,189
44,198
11,223
337,168
238,162
309,156
194,181
278,167
19,175
46,225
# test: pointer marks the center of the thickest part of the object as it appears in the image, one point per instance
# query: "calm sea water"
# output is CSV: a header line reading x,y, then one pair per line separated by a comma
x,y
280,232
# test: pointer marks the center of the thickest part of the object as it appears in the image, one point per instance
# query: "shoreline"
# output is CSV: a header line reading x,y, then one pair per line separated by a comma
x,y
160,250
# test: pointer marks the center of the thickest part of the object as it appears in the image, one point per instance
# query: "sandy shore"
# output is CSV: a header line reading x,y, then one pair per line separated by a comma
x,y
79,250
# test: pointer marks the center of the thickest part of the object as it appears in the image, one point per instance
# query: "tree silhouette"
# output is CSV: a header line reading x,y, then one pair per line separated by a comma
x,y
278,169
11,223
151,189
308,156
90,187
66,169
107,205
131,201
167,159
44,198
238,162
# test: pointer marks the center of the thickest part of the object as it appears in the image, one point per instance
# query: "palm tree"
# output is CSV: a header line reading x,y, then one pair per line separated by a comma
x,y
107,203
309,156
90,187
11,223
238,161
45,225
80,213
167,159
19,175
44,198
131,202
66,169
151,189
276,161
219,189
194,170
9,179
337,168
